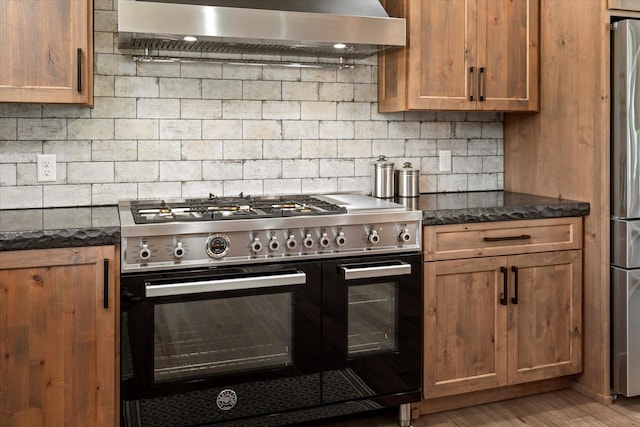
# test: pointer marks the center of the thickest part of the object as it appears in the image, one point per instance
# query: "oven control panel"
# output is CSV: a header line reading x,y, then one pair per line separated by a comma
x,y
268,244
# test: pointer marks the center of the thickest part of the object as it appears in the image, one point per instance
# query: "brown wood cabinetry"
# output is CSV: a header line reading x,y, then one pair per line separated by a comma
x,y
462,55
505,319
563,151
58,337
46,51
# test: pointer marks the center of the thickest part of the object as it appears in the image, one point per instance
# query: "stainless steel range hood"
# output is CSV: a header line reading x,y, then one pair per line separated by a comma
x,y
273,27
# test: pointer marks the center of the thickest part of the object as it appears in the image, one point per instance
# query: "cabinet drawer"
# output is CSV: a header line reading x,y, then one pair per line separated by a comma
x,y
442,242
632,5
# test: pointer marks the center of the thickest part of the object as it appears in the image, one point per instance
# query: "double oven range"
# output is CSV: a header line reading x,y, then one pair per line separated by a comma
x,y
268,310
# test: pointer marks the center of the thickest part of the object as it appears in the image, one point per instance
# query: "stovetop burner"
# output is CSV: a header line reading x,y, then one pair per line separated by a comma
x,y
224,208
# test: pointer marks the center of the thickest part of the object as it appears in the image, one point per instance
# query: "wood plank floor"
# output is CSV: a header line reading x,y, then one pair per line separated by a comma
x,y
566,408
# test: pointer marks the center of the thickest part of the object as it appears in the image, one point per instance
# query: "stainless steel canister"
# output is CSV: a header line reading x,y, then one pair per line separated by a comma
x,y
382,178
407,181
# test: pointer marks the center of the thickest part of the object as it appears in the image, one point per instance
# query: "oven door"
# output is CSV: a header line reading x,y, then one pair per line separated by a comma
x,y
236,341
372,329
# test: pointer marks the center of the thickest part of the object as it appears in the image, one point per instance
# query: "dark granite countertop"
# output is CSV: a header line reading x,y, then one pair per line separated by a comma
x,y
100,225
59,227
484,206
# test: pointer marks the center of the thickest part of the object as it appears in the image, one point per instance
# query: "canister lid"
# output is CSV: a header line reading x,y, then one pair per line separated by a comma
x,y
407,169
382,162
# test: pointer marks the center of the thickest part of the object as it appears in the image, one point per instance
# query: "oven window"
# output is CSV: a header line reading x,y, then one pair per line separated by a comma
x,y
372,313
227,335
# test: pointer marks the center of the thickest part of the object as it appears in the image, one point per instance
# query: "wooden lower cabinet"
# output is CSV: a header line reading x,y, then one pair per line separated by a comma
x,y
501,320
58,337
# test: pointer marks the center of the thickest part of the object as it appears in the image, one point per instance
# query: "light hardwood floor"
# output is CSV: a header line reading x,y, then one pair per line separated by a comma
x,y
566,408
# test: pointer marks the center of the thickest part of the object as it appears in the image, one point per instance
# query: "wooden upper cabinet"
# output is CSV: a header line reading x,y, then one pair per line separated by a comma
x,y
463,55
46,51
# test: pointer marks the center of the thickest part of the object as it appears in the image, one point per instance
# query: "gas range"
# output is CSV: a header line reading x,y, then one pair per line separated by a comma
x,y
215,231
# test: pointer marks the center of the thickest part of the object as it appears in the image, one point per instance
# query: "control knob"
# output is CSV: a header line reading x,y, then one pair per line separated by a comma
x,y
291,242
178,251
405,235
324,241
341,239
256,245
373,237
145,252
274,244
308,241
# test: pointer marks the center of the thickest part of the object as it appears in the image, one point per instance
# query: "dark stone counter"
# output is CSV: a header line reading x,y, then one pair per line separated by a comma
x,y
484,206
100,225
59,227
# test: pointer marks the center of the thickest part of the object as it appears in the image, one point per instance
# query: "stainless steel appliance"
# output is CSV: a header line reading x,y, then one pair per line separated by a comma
x,y
268,310
625,209
359,28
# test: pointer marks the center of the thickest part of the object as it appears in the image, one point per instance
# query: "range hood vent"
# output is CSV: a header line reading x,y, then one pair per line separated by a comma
x,y
307,28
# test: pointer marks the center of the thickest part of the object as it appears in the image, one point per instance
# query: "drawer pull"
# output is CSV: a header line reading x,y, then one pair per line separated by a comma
x,y
500,239
503,297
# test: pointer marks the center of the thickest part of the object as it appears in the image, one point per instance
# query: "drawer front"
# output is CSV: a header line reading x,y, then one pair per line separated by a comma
x,y
632,5
441,242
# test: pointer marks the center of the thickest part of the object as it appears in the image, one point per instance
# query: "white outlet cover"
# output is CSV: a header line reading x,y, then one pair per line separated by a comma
x,y
445,161
46,167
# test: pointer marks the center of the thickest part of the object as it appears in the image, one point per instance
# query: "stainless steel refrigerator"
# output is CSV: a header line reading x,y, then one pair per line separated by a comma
x,y
625,208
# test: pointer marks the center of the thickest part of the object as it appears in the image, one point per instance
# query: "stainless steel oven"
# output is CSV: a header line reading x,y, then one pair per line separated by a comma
x,y
283,320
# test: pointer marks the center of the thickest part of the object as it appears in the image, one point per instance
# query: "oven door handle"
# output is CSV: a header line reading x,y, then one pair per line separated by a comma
x,y
372,271
239,283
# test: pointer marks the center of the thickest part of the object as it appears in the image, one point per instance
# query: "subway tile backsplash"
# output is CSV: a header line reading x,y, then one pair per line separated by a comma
x,y
190,129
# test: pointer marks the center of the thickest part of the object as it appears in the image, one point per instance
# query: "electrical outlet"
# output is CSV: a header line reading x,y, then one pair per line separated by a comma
x,y
445,160
46,167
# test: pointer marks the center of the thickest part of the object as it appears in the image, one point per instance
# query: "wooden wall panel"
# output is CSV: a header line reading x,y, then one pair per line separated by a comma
x,y
564,152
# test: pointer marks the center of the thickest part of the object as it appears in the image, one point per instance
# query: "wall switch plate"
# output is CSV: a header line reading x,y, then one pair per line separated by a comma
x,y
445,160
46,167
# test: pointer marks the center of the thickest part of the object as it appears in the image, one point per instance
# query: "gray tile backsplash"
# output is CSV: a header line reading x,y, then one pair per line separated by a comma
x,y
190,129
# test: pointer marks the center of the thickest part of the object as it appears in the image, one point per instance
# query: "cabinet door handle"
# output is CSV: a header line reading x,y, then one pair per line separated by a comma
x,y
472,74
483,83
105,265
500,239
79,63
503,298
514,300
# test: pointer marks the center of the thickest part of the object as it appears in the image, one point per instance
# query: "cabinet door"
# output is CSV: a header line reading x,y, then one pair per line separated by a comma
x,y
442,43
463,55
392,66
57,339
46,51
545,322
508,38
465,333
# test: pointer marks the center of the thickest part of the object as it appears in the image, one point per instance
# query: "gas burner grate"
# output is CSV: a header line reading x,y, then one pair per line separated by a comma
x,y
228,208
